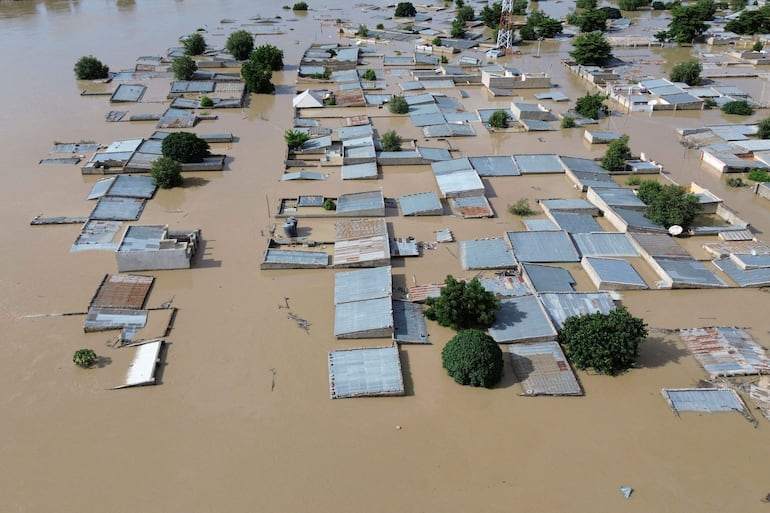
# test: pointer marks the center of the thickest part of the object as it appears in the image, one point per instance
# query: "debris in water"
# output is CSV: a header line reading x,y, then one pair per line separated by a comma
x,y
302,323
626,491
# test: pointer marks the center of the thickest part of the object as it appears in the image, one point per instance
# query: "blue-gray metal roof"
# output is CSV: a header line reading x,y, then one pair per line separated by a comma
x,y
668,90
536,125
434,154
485,114
660,245
128,93
585,165
365,372
637,222
655,82
448,130
540,225
133,186
409,323
347,54
450,166
151,146
604,244
748,261
542,369
397,60
562,305
728,90
317,143
412,85
439,84
689,273
505,286
454,118
588,179
538,164
97,235
101,319
423,109
355,132
404,247
359,171
420,120
100,188
726,351
368,318
426,58
495,166
360,201
547,246
302,175
295,257
422,203
603,136
549,279
574,205
458,183
613,271
310,200
346,75
521,319
110,208
620,197
704,400
486,254
556,96
306,70
641,166
192,86
417,99
362,284
575,223
361,152
142,238
757,277
680,99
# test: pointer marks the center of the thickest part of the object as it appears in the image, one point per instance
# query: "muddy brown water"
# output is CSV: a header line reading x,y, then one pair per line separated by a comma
x,y
241,419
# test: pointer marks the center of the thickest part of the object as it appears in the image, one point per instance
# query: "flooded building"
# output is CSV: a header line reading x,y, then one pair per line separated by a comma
x,y
155,247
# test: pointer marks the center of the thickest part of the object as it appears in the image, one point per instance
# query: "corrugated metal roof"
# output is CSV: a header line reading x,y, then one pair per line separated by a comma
x,y
505,286
74,148
142,238
547,246
704,400
536,125
540,225
142,368
364,202
177,118
580,206
529,164
556,96
426,119
122,291
607,244
103,319
636,221
409,323
751,261
640,166
404,247
345,75
192,86
97,235
132,186
419,293
584,165
620,197
100,188
759,277
486,254
364,284
416,99
302,175
458,183
613,272
451,166
128,93
737,247
304,259
410,86
423,203
562,305
434,154
359,228
355,132
659,245
472,207
365,170
365,372
736,235
110,208
448,130
495,166
680,99
587,179
549,279
726,351
689,273
575,223
439,84
596,137
521,319
347,54
542,369
364,319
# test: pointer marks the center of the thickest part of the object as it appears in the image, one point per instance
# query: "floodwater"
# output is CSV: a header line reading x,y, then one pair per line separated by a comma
x,y
241,419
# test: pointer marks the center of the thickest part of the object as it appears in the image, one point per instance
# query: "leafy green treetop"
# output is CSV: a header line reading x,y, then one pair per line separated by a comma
x,y
473,358
398,105
391,141
490,14
185,147
463,305
763,129
166,172
184,67
89,67
194,44
295,138
668,205
617,154
687,72
269,55
257,76
591,105
405,10
240,44
591,49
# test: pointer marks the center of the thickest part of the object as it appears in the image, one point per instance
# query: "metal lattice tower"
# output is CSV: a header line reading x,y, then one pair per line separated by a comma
x,y
505,32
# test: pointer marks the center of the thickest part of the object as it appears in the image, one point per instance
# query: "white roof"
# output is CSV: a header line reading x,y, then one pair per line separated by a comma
x,y
125,145
142,369
307,99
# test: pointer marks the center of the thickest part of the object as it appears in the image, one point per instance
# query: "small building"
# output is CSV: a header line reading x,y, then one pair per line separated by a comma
x,y
726,351
363,306
361,204
543,247
522,319
491,253
361,243
420,204
529,111
612,274
562,305
544,278
142,369
365,372
542,369
155,248
457,178
308,99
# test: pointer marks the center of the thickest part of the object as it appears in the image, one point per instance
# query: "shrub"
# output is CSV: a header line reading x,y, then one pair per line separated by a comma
x,y
184,68
592,20
473,358
443,59
608,343
567,122
90,68
521,208
184,147
462,305
585,4
369,75
329,204
362,31
405,10
735,182
465,13
518,7
611,13
710,103
540,25
206,102
687,72
499,119
240,44
380,26
295,138
590,105
634,180
668,205
738,107
258,77
763,129
758,175
194,44
457,30
616,155
490,14
84,357
300,6
269,56
757,46
436,41
657,5
398,105
166,173
391,141
591,49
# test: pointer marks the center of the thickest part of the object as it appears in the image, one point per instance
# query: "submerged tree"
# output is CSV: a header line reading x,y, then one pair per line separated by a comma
x,y
195,44
84,358
240,44
184,67
90,68
591,49
463,305
669,205
166,173
591,105
258,77
405,10
391,141
687,72
499,119
617,154
398,105
185,147
473,358
295,138
268,55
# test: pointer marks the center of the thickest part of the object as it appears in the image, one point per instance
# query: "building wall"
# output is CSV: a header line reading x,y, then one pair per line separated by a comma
x,y
153,260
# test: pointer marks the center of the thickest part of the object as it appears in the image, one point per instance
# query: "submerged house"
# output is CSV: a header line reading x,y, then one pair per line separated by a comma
x,y
155,247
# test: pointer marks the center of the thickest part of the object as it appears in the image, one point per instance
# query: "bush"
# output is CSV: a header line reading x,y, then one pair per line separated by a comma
x,y
240,44
591,49
269,56
668,205
758,175
436,41
166,173
300,6
84,358
592,20
206,102
465,13
540,25
443,59
90,68
499,119
380,26
585,4
657,5
611,13
405,10
457,30
391,141
329,204
763,129
757,46
616,155
398,105
567,122
735,182
463,305
194,44
490,14
473,358
687,72
710,103
634,180
608,343
258,77
518,8
184,68
590,105
738,107
295,138
184,147
369,75
521,208
362,31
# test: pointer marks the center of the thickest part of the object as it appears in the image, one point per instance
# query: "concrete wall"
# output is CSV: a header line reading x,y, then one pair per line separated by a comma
x,y
154,260
763,190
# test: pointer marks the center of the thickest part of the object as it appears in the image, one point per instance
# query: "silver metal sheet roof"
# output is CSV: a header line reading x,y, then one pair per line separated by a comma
x,y
448,130
362,284
409,323
434,154
110,208
97,235
725,351
562,305
458,183
177,118
102,319
428,119
404,247
495,166
584,165
660,245
347,54
360,201
142,238
529,164
486,254
364,319
689,273
637,222
128,93
542,369
471,207
549,279
192,86
365,170
547,246
450,166
758,277
485,114
680,99
613,271
302,175
556,96
365,372
293,257
424,203
751,261
620,197
573,205
505,286
100,188
317,143
521,319
604,244
355,132
540,225
576,223
588,179
704,400
416,99
439,84
347,75
133,186
596,136
410,86
536,125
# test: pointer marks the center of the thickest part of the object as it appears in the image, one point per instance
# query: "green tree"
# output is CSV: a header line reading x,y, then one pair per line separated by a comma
x,y
84,358
592,20
585,4
329,204
738,107
521,208
295,138
405,10
268,55
473,358
362,31
632,5
490,14
611,13
257,77
465,13
751,22
185,147
686,24
240,44
89,67
184,67
499,119
758,175
463,305
206,102
687,72
166,172
757,46
616,155
369,75
567,122
541,25
668,205
591,49
591,105
657,5
194,44
398,105
519,7
608,343
300,6
391,141
763,129
457,30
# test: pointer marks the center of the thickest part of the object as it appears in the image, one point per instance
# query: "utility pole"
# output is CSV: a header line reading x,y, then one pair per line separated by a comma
x,y
505,32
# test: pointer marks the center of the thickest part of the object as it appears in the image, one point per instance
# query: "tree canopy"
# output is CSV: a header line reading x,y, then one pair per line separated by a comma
x,y
405,10
391,141
632,5
686,24
668,205
398,105
295,138
751,22
257,76
591,105
540,25
268,55
617,154
592,20
457,30
184,147
463,305
184,67
89,67
608,343
739,107
763,129
490,14
195,44
166,172
240,44
499,119
465,13
591,49
687,72
473,358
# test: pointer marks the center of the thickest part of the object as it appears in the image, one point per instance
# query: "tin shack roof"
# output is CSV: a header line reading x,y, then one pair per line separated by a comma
x,y
486,254
365,372
546,246
726,351
561,305
530,164
363,284
688,273
370,203
522,319
423,203
575,223
114,208
495,166
604,244
364,319
756,277
409,323
549,279
704,400
542,369
613,273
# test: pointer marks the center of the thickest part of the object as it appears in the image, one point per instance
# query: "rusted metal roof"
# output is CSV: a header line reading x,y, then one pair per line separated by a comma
x,y
704,400
659,245
419,293
122,291
542,369
726,351
357,228
737,247
472,207
361,242
350,98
